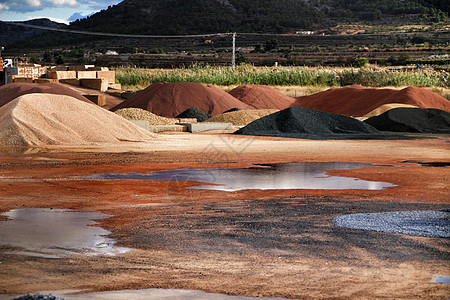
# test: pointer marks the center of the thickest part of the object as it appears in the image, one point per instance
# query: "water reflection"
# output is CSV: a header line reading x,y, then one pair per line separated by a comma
x,y
54,233
297,175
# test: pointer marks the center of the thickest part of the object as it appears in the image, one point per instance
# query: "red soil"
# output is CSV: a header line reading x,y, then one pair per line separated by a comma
x,y
11,91
262,96
357,101
171,99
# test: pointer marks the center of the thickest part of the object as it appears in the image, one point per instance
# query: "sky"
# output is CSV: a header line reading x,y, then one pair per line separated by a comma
x,y
63,11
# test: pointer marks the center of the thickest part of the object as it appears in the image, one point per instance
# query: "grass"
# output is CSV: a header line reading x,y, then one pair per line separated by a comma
x,y
135,78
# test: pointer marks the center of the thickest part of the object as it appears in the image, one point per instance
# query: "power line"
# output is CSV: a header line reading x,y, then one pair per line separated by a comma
x,y
133,35
113,34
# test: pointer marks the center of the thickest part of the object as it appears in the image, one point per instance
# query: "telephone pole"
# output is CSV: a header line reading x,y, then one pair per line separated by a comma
x,y
233,56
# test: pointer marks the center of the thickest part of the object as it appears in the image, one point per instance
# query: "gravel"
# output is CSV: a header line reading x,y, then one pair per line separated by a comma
x,y
298,122
417,120
242,117
38,297
420,223
141,114
49,119
196,113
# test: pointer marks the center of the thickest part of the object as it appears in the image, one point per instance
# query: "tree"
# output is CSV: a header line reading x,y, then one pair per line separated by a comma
x,y
360,62
271,45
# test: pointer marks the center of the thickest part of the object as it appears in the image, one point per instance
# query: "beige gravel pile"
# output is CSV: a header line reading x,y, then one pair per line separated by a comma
x,y
141,114
49,119
242,117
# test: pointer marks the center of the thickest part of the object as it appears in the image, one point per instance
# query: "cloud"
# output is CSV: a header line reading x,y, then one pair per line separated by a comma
x,y
77,16
59,20
3,7
22,6
71,3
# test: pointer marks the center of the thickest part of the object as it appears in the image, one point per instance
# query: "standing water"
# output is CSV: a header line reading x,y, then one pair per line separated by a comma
x,y
54,233
297,175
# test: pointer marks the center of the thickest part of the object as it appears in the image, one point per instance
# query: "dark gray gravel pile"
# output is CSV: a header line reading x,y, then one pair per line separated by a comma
x,y
194,113
38,297
307,123
417,120
427,223
231,109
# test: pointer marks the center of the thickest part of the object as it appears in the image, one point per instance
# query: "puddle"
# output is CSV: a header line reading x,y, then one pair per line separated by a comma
x,y
441,279
297,175
55,233
428,223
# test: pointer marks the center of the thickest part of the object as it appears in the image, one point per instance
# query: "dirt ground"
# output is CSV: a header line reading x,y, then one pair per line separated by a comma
x,y
264,243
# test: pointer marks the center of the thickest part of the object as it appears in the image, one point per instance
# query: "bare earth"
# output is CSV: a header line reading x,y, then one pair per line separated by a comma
x,y
265,243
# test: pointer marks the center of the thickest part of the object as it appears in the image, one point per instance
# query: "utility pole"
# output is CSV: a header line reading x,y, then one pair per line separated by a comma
x,y
233,56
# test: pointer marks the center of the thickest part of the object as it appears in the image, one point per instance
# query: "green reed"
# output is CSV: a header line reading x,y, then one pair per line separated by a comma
x,y
284,76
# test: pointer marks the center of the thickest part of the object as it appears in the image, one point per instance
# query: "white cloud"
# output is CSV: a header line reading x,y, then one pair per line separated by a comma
x,y
33,3
71,3
3,6
59,20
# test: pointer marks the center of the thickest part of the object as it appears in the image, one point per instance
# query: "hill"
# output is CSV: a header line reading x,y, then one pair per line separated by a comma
x,y
181,17
10,33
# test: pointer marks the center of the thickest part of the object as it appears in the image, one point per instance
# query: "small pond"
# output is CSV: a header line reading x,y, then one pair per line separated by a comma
x,y
296,175
54,233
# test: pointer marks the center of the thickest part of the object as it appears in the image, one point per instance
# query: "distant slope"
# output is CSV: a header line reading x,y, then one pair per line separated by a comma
x,y
181,17
11,33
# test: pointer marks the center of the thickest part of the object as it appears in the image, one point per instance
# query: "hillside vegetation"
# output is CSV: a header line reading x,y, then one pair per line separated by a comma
x,y
181,17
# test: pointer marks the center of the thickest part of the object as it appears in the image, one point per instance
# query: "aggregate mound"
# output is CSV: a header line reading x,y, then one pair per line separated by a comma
x,y
262,96
357,101
171,99
417,120
242,117
140,114
196,113
231,109
385,107
306,123
49,119
11,91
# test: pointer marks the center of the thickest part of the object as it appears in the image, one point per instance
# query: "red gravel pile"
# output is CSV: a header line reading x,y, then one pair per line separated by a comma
x,y
11,91
357,101
262,97
171,99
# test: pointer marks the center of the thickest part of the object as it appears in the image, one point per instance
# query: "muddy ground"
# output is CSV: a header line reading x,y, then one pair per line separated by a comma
x,y
266,243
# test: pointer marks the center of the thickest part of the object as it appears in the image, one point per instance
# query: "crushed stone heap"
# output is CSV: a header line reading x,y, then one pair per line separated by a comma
x,y
140,114
357,101
306,123
242,117
415,120
196,113
170,99
11,91
49,119
262,96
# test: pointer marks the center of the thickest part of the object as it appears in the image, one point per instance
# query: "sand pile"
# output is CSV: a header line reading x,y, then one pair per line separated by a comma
x,y
357,101
298,122
140,114
171,99
242,117
11,91
262,96
48,119
385,107
196,113
412,120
